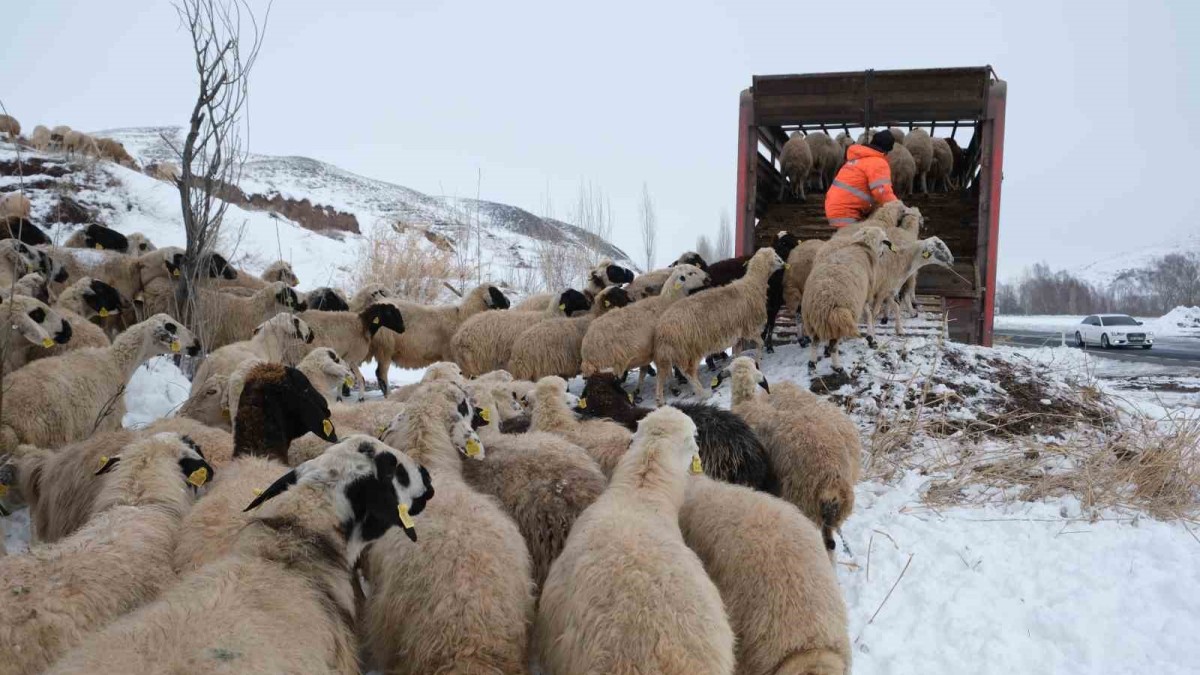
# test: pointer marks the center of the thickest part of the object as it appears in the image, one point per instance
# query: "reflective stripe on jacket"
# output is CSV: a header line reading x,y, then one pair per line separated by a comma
x,y
863,182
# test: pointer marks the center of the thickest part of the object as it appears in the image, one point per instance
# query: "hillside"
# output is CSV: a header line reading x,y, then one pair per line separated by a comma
x,y
1108,269
510,235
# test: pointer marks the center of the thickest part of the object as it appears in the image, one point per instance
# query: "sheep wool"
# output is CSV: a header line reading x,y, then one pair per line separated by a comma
x,y
943,164
484,342
55,595
769,564
554,347
239,316
627,595
9,125
814,446
428,330
713,320
919,143
281,339
799,266
903,168
15,205
606,442
468,580
351,334
838,287
826,158
600,277
282,600
795,162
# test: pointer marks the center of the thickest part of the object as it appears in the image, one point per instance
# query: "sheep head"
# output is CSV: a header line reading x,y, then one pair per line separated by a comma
x,y
382,315
104,238
569,302
613,297
156,457
935,252
691,258
665,442
102,300
34,321
495,299
277,405
166,335
684,280
373,488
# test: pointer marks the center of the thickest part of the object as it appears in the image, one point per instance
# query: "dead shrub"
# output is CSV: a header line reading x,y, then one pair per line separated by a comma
x,y
402,259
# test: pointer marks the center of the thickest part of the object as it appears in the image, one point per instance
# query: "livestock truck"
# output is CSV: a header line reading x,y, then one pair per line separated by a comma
x,y
966,104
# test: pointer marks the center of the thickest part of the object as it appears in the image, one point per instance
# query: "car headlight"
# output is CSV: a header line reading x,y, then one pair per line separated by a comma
x,y
1118,332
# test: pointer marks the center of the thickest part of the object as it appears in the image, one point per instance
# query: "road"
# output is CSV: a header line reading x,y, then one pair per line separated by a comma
x,y
1166,351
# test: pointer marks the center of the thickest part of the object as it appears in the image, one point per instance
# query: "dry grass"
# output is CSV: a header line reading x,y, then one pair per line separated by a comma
x,y
403,259
1037,444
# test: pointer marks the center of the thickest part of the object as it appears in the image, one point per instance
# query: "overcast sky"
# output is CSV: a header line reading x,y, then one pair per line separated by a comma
x,y
1101,145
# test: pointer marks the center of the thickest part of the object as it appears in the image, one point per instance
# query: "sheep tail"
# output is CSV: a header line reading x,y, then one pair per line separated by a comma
x,y
812,662
841,323
831,515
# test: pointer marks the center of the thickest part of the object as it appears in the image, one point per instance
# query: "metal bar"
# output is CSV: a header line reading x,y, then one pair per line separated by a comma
x,y
997,100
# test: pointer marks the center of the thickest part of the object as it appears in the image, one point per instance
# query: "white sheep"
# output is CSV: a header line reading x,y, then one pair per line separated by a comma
x,y
795,162
15,205
282,600
903,169
943,164
771,568
710,321
826,157
92,380
814,445
468,580
40,138
920,145
284,338
81,143
554,347
650,284
606,441
9,125
838,288
627,595
27,326
352,334
232,318
899,268
55,595
328,373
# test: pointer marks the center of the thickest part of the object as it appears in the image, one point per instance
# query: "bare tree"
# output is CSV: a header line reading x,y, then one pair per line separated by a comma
x,y
225,39
724,245
649,226
705,248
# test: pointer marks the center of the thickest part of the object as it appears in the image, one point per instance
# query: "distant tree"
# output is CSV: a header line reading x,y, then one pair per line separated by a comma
x,y
649,221
724,245
705,248
225,39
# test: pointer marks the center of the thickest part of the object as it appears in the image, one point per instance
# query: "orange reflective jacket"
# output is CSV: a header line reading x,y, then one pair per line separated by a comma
x,y
863,182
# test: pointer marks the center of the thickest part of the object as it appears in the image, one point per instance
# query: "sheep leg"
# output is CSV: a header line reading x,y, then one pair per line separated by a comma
x,y
637,391
802,338
768,335
381,373
870,310
812,355
895,307
837,356
693,377
924,182
360,383
659,382
910,292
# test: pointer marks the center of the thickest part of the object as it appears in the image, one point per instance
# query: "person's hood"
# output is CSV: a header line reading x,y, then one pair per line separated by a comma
x,y
862,151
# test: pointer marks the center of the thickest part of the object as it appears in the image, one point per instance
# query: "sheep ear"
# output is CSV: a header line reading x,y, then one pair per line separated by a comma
x,y
107,464
277,488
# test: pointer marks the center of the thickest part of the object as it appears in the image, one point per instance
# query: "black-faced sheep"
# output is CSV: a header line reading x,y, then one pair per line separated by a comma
x,y
624,339
327,299
23,230
98,237
471,551
713,320
729,448
428,329
554,347
28,325
484,342
814,446
768,562
328,374
600,277
238,316
650,284
55,595
352,334
82,301
282,600
92,380
627,595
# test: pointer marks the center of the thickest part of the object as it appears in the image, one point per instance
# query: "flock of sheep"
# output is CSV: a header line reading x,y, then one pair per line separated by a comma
x,y
481,520
917,161
74,143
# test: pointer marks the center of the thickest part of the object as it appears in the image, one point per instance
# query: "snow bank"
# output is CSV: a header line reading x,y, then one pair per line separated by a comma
x,y
1026,589
155,391
1181,321
1041,323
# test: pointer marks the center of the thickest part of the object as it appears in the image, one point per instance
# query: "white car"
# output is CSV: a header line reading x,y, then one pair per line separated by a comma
x,y
1112,330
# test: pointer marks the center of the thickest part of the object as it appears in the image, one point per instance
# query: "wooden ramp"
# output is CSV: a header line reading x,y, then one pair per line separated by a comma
x,y
930,322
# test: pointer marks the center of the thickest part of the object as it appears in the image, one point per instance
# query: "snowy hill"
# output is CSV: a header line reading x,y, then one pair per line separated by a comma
x,y
1109,269
510,234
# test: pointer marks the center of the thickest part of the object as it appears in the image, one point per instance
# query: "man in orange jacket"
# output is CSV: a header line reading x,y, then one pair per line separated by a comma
x,y
863,183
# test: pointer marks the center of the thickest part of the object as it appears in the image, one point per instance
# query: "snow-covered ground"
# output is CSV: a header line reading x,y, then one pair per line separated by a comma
x,y
1179,322
1049,585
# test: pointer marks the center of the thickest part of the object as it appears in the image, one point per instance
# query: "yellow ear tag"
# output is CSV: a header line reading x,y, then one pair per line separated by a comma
x,y
380,431
198,477
47,343
225,414
473,448
103,313
327,427
607,304
786,266
257,492
716,381
3,491
925,254
678,284
405,519
697,467
99,247
103,461
375,321
485,415
174,346
629,396
562,307
349,381
582,404
175,273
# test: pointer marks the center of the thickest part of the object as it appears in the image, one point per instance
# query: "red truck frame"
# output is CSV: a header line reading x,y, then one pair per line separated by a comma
x,y
946,102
